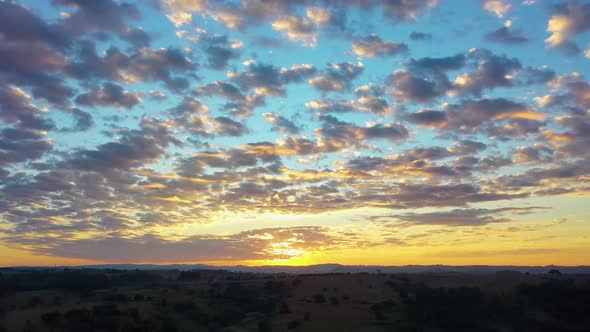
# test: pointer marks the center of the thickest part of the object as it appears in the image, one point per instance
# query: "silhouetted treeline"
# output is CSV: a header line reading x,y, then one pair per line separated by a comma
x,y
551,305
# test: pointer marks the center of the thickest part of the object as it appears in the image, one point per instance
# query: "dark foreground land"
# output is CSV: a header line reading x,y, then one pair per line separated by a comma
x,y
209,300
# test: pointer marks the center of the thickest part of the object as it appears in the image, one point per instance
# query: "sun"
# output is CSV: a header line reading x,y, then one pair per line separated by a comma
x,y
285,248
285,253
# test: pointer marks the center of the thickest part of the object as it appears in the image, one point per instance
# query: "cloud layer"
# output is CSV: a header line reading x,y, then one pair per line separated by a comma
x,y
133,132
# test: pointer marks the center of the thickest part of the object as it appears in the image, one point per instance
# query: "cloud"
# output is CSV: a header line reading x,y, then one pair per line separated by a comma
x,y
571,143
261,244
180,18
16,108
283,14
133,149
142,65
188,5
430,118
194,117
498,7
136,37
389,131
568,19
372,46
571,135
31,27
422,161
411,88
20,144
552,179
438,65
281,124
245,108
374,104
486,115
414,35
297,73
221,88
459,217
35,66
425,79
532,154
337,77
268,42
405,196
157,95
103,16
233,17
228,127
109,95
320,16
223,159
403,10
83,120
576,92
35,52
269,80
505,36
492,71
335,135
364,103
219,50
297,29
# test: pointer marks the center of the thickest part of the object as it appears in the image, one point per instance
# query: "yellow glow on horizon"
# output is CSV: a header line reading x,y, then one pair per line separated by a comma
x,y
532,239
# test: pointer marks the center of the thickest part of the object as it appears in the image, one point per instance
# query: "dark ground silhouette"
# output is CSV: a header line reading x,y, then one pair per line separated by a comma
x,y
216,300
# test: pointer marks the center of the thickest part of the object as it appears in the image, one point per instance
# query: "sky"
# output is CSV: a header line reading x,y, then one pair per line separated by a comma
x,y
295,132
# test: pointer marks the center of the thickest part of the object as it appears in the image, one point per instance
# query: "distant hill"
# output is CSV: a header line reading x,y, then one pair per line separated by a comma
x,y
337,268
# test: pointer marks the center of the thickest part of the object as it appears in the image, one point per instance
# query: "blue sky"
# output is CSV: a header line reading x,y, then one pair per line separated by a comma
x,y
294,132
